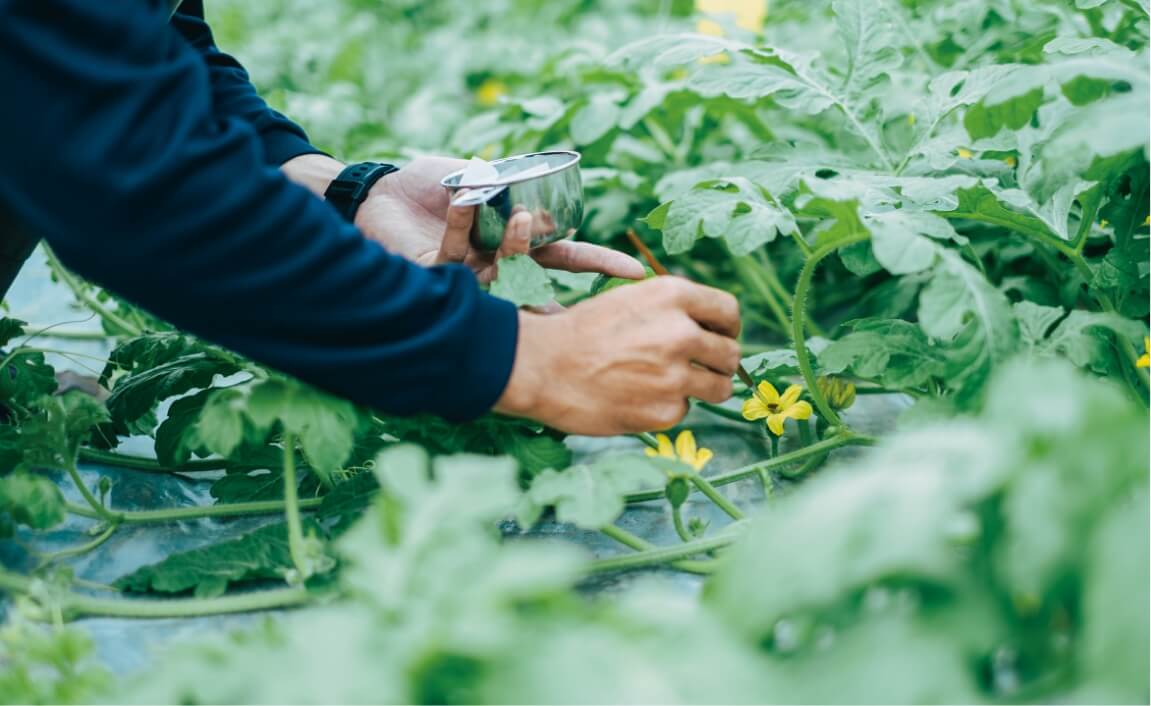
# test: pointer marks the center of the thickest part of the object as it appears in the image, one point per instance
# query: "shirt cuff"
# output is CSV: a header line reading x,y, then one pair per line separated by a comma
x,y
491,345
281,144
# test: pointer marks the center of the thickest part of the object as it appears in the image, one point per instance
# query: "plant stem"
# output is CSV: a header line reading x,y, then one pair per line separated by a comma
x,y
715,496
79,549
720,411
767,271
641,545
782,461
292,507
258,507
745,270
149,465
799,314
648,440
662,555
81,293
75,605
38,331
98,508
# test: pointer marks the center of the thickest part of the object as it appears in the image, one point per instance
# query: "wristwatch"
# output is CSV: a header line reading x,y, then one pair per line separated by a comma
x,y
348,190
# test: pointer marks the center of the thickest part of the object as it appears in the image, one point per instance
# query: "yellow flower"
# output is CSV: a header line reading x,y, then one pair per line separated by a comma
x,y
490,92
748,14
1010,161
964,153
1145,359
767,402
684,450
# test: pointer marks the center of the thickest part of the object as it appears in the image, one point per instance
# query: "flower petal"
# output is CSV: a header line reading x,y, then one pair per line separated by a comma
x,y
775,424
790,396
701,459
768,392
685,446
799,410
666,450
753,409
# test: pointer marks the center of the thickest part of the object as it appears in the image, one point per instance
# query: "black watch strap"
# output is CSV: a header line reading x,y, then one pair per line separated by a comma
x,y
348,190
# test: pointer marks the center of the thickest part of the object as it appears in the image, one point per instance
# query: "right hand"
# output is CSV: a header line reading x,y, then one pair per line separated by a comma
x,y
627,360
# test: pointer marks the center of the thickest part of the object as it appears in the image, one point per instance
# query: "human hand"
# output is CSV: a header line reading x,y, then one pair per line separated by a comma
x,y
627,360
409,213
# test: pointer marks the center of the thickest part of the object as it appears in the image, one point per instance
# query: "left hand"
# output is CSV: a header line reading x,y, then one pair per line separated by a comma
x,y
409,213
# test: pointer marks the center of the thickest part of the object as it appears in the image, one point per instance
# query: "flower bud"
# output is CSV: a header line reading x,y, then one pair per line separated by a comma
x,y
839,393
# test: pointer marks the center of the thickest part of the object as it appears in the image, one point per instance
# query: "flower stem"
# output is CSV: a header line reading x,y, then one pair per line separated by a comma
x,y
148,465
715,496
720,411
677,520
258,507
292,506
799,315
647,439
782,461
663,555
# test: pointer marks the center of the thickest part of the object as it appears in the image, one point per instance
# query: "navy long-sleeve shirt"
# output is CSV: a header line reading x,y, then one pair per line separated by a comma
x,y
146,160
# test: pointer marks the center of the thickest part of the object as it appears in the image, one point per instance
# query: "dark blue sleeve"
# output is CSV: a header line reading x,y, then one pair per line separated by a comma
x,y
233,93
110,150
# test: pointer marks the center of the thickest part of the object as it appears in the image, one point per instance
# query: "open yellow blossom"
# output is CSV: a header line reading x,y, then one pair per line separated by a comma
x,y
964,153
490,92
1145,359
748,14
767,402
684,450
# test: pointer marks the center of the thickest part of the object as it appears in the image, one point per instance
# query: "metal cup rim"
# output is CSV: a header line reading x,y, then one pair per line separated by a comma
x,y
575,159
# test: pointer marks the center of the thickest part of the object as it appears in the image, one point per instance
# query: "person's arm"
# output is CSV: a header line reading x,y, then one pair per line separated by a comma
x,y
112,152
234,95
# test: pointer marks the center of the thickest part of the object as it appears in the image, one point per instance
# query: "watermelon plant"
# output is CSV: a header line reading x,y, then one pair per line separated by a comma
x,y
945,203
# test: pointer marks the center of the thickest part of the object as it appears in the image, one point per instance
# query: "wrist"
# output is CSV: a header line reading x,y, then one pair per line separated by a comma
x,y
521,395
312,171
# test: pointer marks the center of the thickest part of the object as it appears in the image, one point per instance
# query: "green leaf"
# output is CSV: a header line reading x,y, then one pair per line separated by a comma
x,y
209,571
177,437
523,282
222,426
594,119
25,378
892,352
52,435
135,396
9,329
324,425
589,496
959,306
1082,339
30,500
902,240
733,209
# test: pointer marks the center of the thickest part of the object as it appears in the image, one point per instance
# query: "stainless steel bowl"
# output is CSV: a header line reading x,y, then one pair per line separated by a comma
x,y
554,197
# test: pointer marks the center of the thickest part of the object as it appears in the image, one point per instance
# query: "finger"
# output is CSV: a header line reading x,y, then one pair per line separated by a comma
x,y
713,308
708,386
586,257
718,353
517,235
455,245
552,307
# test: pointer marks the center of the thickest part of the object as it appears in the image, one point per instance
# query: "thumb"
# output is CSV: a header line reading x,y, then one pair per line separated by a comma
x,y
457,231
